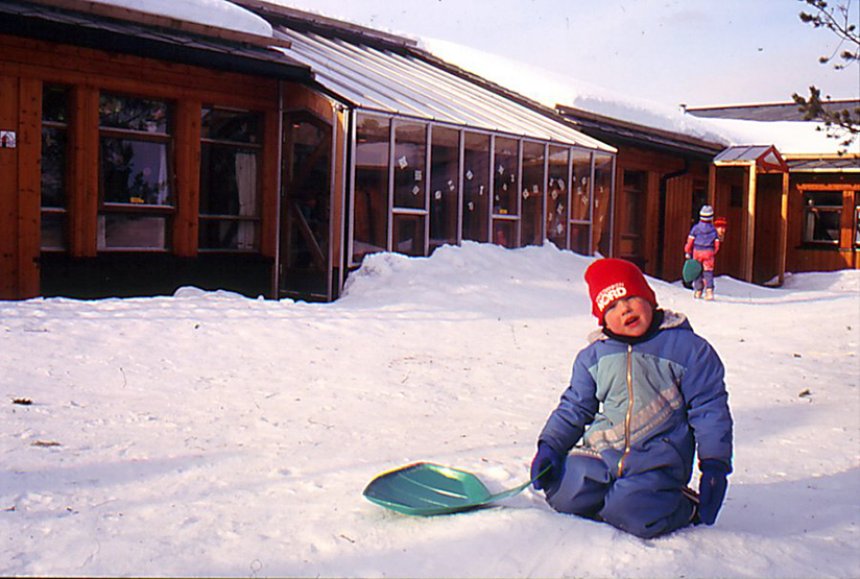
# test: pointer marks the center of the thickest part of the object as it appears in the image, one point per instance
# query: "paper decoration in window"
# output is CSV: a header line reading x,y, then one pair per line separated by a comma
x,y
418,174
403,162
437,194
560,209
504,186
554,194
481,190
451,185
501,170
525,193
471,206
561,184
535,189
559,229
469,175
416,190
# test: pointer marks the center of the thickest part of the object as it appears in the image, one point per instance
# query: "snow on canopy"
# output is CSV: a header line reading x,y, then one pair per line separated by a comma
x,y
553,88
216,13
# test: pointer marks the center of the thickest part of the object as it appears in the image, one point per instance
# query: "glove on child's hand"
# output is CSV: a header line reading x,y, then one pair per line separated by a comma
x,y
688,256
547,457
712,488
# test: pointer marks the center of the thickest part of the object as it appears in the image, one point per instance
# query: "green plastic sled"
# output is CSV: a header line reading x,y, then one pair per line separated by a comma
x,y
692,270
425,489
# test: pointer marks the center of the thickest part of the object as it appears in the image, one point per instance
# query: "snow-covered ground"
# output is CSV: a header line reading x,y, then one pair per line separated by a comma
x,y
211,434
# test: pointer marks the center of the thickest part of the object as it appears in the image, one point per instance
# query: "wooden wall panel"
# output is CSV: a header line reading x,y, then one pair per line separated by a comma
x,y
270,176
9,95
29,186
83,182
132,74
186,222
677,225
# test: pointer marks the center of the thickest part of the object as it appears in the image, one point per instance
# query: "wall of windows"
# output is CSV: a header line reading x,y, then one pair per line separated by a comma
x,y
417,186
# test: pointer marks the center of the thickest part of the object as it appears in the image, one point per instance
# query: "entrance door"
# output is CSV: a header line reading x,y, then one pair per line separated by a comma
x,y
631,213
305,270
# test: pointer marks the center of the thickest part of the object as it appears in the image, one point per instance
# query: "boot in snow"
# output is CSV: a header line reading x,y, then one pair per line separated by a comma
x,y
709,295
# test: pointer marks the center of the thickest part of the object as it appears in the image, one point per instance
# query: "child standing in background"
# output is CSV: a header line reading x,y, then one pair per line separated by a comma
x,y
703,243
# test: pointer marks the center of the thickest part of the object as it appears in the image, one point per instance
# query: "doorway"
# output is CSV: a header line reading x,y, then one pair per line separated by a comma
x,y
305,266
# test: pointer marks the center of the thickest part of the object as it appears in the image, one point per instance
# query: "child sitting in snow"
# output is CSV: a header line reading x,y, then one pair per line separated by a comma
x,y
644,395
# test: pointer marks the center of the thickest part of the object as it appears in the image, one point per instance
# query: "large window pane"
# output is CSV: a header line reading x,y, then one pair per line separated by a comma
x,y
505,176
135,167
558,192
444,179
409,234
371,186
410,156
476,193
581,186
533,193
822,217
602,225
122,231
135,172
229,180
54,166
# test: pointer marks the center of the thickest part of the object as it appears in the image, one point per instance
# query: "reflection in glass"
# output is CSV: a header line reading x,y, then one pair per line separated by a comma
x,y
229,208
128,231
133,114
234,126
134,172
580,241
558,192
505,176
370,227
410,155
505,232
533,193
54,167
409,234
581,201
476,178
444,179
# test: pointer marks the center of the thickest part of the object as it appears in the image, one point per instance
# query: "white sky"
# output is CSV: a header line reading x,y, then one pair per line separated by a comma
x,y
697,52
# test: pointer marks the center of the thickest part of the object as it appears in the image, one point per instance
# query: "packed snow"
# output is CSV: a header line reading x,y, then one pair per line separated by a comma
x,y
217,13
210,434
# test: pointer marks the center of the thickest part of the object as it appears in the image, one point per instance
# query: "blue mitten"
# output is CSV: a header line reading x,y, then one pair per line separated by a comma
x,y
712,488
547,456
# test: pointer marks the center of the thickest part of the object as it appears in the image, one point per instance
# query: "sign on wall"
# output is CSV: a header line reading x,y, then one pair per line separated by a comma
x,y
7,139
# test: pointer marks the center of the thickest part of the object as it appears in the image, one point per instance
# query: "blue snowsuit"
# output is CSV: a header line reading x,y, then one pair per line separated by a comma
x,y
641,409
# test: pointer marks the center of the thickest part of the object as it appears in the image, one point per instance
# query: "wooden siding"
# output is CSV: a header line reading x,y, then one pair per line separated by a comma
x,y
669,183
26,65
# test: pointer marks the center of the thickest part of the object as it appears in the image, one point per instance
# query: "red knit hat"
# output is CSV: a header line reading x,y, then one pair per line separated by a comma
x,y
611,279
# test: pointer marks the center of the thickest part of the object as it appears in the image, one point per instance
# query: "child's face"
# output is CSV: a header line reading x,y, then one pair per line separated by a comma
x,y
629,317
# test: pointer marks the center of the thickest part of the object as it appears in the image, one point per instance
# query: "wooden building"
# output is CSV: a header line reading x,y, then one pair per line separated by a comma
x,y
786,212
141,153
662,180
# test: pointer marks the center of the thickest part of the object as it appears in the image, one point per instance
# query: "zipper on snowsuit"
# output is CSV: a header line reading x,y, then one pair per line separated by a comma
x,y
629,415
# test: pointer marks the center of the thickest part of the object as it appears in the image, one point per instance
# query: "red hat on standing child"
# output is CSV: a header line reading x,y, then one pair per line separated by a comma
x,y
610,280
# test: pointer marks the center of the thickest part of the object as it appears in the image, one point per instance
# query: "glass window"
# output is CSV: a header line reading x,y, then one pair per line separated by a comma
x,y
602,216
229,180
476,192
580,203
505,176
533,193
558,193
580,209
370,229
505,232
410,156
409,234
444,185
857,226
136,196
822,217
54,167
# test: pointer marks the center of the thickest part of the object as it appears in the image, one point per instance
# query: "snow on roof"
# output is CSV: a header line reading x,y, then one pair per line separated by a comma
x,y
553,88
217,13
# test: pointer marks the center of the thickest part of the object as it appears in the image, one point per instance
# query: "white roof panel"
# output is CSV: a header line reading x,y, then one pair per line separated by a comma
x,y
399,83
